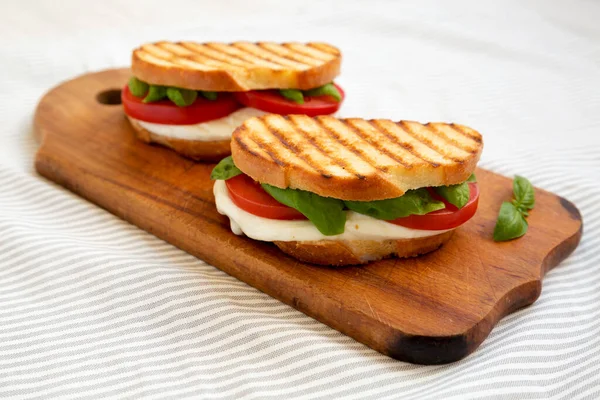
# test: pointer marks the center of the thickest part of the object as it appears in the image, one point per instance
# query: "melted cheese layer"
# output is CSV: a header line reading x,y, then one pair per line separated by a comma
x,y
217,129
358,226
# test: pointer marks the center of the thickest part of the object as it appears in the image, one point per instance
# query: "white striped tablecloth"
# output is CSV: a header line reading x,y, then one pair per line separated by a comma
x,y
92,307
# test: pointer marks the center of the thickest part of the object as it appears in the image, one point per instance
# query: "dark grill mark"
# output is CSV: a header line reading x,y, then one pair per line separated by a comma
x,y
460,130
289,56
325,56
175,58
171,54
167,58
407,146
261,56
243,62
402,125
269,151
244,146
193,58
333,134
316,145
375,145
443,136
345,165
326,50
251,62
295,150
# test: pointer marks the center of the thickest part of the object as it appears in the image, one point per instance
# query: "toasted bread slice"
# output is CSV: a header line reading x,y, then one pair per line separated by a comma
x,y
238,66
352,252
214,150
354,159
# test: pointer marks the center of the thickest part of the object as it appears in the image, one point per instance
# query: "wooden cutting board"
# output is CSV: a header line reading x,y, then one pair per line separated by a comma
x,y
433,309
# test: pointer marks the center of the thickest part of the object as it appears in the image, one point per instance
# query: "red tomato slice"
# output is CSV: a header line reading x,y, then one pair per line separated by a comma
x,y
248,195
447,218
165,112
273,102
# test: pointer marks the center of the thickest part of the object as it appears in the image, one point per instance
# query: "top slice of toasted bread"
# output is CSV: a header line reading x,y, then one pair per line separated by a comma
x,y
354,159
238,66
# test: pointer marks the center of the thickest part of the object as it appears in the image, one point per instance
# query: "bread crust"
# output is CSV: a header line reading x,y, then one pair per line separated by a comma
x,y
268,149
355,252
210,151
233,78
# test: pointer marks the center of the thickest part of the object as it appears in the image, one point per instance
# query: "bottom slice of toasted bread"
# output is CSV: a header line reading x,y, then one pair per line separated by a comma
x,y
195,149
352,252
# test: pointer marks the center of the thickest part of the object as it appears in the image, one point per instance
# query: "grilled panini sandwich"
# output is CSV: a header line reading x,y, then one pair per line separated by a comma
x,y
348,191
191,96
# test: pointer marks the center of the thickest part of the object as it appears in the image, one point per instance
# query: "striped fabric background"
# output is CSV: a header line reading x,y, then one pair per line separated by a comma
x,y
92,307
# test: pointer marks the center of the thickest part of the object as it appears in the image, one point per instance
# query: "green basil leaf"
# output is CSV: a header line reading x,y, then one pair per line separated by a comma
x,y
472,178
224,170
155,93
182,97
326,213
137,87
325,90
510,224
413,202
209,95
455,194
292,94
524,193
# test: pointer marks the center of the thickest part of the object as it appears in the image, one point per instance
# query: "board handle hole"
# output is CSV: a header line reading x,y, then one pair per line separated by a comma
x,y
109,97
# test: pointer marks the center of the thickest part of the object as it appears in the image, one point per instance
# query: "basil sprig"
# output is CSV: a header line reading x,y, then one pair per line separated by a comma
x,y
524,195
182,97
224,170
137,87
413,202
294,95
511,223
325,212
457,195
297,96
155,93
329,216
328,89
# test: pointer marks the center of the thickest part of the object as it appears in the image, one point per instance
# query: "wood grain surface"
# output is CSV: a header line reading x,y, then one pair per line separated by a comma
x,y
434,309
